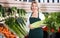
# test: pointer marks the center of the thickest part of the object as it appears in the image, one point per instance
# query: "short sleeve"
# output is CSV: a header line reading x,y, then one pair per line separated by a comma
x,y
41,16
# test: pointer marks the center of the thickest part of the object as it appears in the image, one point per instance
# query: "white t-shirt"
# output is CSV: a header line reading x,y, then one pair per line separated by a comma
x,y
41,16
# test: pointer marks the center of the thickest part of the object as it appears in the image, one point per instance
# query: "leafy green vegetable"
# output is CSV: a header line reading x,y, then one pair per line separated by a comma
x,y
38,24
53,21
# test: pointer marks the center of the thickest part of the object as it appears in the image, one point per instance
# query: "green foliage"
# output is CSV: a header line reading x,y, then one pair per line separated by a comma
x,y
38,23
53,20
2,11
21,12
13,10
17,26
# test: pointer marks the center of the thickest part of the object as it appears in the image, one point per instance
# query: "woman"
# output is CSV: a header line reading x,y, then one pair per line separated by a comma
x,y
35,16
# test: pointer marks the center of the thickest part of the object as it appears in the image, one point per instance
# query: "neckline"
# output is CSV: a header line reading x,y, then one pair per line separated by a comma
x,y
34,17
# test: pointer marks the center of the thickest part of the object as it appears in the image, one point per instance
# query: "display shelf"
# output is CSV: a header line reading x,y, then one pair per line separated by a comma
x,y
5,32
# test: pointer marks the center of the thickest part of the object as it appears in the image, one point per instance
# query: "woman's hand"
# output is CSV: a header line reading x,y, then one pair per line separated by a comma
x,y
43,26
31,27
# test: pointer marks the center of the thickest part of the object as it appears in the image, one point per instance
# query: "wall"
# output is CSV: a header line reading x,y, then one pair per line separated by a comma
x,y
44,5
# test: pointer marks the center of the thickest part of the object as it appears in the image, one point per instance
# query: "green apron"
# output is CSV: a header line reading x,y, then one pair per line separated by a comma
x,y
37,32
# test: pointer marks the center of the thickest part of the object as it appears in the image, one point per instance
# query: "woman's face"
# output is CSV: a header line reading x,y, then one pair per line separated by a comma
x,y
34,7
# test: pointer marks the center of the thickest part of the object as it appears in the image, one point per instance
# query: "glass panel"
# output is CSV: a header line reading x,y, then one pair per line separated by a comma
x,y
39,0
15,0
43,1
48,1
19,0
58,1
25,0
31,0
53,1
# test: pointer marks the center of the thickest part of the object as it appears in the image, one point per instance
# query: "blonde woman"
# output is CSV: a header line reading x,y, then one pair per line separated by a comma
x,y
35,16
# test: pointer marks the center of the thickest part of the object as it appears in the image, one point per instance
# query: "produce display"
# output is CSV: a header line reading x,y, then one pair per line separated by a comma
x,y
7,33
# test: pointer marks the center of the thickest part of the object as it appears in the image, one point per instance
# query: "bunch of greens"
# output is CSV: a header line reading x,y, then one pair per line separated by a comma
x,y
53,21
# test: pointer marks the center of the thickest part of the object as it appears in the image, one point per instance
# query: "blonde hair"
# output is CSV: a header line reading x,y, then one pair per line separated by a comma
x,y
34,2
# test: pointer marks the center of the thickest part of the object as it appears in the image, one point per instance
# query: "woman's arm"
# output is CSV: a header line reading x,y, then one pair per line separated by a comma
x,y
42,17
